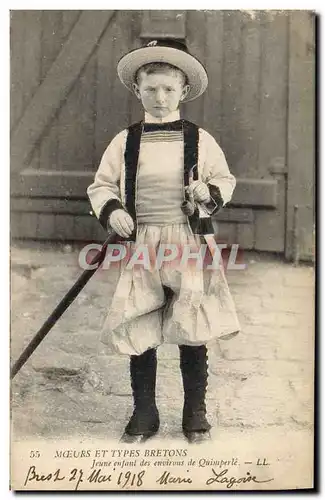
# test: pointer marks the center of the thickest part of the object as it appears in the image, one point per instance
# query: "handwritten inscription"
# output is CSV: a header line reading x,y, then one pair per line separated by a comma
x,y
123,479
168,478
130,479
222,477
32,475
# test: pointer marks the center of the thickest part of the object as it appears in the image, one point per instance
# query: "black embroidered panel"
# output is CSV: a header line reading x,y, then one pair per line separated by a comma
x,y
191,151
167,126
131,157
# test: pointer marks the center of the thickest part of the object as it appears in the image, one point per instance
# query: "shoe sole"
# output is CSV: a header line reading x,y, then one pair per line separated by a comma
x,y
136,438
197,437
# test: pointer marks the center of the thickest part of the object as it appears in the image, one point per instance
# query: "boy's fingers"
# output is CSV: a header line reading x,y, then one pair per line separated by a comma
x,y
201,188
118,228
198,190
122,232
130,223
126,225
122,223
190,188
201,192
190,193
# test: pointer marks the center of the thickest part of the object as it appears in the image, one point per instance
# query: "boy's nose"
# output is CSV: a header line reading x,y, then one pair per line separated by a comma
x,y
160,96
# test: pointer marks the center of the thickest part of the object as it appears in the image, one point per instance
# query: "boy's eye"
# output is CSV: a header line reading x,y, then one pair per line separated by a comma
x,y
169,89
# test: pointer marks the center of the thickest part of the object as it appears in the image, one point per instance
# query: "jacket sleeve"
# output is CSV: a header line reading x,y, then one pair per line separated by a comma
x,y
104,192
216,174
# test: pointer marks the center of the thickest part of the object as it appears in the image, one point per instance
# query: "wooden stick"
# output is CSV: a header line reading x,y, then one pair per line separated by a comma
x,y
62,307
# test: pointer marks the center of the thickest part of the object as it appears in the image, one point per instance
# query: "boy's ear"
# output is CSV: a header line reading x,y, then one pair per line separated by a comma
x,y
185,91
136,90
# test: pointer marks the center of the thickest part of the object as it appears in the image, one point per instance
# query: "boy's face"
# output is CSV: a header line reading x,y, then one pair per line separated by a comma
x,y
160,92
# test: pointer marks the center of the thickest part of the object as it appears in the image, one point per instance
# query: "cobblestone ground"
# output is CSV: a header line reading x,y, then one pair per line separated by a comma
x,y
260,382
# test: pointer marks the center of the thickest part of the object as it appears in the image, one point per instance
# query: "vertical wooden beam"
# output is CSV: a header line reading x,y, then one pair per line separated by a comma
x,y
232,67
51,46
248,87
112,104
56,26
301,132
17,43
119,100
196,42
27,53
272,126
51,22
212,98
75,124
135,108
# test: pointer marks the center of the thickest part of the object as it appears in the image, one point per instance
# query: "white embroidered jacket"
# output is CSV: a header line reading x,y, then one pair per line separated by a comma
x,y
109,180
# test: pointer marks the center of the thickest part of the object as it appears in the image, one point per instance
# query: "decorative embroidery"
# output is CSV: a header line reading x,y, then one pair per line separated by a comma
x,y
167,126
162,136
131,155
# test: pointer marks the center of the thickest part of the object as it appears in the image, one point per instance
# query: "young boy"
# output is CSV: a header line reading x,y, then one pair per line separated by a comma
x,y
158,183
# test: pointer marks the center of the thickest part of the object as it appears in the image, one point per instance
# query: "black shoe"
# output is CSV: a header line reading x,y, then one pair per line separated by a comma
x,y
141,427
144,422
136,438
197,437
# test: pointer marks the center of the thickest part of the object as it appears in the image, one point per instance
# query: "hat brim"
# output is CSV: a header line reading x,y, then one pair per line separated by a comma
x,y
194,70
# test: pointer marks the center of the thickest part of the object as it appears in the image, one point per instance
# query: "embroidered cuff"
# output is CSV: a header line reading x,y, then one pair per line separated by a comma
x,y
106,211
216,201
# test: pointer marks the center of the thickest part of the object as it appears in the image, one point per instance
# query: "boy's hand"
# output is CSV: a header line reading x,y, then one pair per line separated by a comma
x,y
121,222
200,191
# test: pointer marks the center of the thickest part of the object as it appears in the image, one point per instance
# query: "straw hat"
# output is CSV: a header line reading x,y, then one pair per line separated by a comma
x,y
165,51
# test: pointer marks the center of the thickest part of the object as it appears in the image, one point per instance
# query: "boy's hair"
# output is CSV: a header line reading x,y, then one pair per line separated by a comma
x,y
159,67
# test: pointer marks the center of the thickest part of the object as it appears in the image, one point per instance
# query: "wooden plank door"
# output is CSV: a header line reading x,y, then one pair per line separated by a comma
x,y
244,108
67,104
53,136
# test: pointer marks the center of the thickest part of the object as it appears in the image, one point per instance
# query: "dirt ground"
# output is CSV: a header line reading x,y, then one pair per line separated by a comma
x,y
259,382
